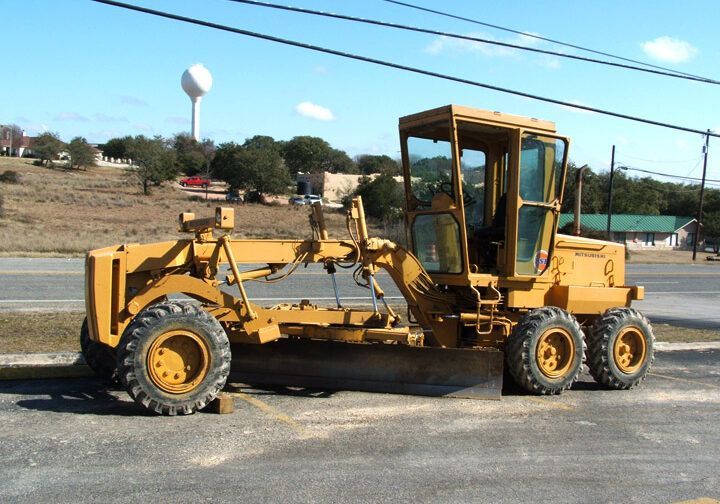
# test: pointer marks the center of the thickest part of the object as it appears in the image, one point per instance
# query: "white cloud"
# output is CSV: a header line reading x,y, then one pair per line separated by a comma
x,y
447,44
34,129
576,110
71,116
309,109
669,49
133,100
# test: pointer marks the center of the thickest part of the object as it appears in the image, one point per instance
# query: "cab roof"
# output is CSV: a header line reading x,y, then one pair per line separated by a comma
x,y
477,115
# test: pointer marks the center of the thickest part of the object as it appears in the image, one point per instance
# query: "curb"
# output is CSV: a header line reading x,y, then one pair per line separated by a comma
x,y
43,365
32,366
700,346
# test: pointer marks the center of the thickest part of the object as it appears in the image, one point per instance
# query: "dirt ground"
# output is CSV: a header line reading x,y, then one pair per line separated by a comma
x,y
58,212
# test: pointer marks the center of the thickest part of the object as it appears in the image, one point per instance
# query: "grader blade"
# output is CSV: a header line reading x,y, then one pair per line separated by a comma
x,y
399,369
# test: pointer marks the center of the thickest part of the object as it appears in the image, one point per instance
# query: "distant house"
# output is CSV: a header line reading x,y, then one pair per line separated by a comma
x,y
641,231
333,186
12,146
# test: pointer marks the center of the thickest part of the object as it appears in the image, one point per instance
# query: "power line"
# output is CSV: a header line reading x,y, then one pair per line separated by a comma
x,y
535,36
668,175
472,39
398,66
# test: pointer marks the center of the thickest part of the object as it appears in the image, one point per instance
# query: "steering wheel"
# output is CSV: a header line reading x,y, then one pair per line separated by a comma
x,y
447,188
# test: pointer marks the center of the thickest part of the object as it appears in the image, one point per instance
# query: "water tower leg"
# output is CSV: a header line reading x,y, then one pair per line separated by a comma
x,y
196,118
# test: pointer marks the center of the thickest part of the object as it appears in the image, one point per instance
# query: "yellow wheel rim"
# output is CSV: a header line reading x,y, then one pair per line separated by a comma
x,y
178,361
629,350
555,352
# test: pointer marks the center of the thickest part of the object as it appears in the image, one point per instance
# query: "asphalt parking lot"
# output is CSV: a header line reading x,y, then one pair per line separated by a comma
x,y
75,440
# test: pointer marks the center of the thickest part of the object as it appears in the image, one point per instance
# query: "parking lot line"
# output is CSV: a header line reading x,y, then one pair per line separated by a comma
x,y
273,413
695,382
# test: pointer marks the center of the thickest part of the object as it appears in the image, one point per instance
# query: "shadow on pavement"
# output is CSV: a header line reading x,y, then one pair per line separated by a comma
x,y
81,396
265,390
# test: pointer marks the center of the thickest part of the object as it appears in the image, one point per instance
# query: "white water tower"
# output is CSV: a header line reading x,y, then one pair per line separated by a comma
x,y
196,81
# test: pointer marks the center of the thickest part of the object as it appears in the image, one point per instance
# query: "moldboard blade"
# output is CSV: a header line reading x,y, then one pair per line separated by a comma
x,y
473,374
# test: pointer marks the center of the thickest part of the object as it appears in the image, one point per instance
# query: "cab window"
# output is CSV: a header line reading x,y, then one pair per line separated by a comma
x,y
430,162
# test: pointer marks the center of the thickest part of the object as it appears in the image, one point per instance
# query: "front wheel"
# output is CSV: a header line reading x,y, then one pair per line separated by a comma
x,y
98,356
174,358
545,352
621,348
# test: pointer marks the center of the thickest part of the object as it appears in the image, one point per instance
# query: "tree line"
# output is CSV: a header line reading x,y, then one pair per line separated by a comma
x,y
260,165
643,196
48,146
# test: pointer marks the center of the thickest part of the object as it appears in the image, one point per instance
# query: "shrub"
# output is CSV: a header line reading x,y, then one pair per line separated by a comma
x,y
383,197
10,177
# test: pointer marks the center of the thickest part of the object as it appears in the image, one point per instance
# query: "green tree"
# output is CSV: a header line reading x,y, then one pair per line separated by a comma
x,y
256,166
339,162
711,229
154,161
305,154
383,197
308,154
47,146
81,153
193,157
594,192
368,163
117,148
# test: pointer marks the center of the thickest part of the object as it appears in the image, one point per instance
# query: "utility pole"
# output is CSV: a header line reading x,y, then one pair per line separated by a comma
x,y
609,203
698,222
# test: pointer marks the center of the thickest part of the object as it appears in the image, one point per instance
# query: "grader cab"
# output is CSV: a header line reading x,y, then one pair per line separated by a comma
x,y
486,280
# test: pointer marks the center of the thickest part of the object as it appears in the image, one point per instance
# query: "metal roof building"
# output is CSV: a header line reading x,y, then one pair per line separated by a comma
x,y
641,231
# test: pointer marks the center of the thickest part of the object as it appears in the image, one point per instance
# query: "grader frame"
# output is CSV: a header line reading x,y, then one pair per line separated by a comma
x,y
485,273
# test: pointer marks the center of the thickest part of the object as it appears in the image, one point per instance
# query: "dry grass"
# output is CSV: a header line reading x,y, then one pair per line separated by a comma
x,y
59,212
40,332
60,332
667,257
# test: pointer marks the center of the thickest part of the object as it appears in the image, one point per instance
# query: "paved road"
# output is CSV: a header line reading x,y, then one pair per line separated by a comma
x,y
683,295
74,440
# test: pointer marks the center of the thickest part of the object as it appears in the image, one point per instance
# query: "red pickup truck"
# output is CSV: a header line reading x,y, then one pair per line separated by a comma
x,y
195,181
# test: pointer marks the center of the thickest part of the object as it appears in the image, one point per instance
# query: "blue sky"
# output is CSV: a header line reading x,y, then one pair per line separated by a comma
x,y
81,68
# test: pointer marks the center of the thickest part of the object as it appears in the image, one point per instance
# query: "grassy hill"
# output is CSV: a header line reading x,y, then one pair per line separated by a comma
x,y
53,211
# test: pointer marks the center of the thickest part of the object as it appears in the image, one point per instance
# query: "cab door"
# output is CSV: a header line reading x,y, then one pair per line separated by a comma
x,y
435,220
537,186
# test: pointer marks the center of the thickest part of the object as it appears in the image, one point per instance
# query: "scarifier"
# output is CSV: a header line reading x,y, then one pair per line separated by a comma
x,y
488,283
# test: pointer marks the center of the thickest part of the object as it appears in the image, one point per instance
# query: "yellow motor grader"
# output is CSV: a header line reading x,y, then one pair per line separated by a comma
x,y
488,282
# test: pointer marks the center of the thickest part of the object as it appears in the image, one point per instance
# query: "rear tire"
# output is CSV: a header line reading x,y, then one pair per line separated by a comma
x,y
621,348
174,358
545,351
98,356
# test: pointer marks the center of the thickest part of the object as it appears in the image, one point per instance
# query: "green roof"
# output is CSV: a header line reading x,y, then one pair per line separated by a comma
x,y
629,223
